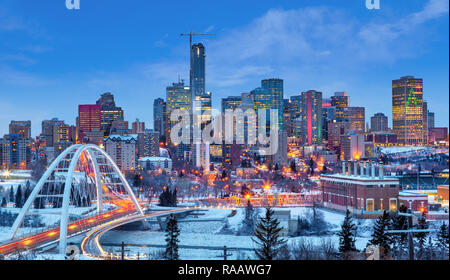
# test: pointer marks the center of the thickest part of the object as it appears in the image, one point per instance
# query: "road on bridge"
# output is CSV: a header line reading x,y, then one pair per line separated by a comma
x,y
90,245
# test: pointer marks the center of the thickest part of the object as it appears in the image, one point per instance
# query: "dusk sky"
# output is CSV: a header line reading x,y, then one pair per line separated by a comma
x,y
52,59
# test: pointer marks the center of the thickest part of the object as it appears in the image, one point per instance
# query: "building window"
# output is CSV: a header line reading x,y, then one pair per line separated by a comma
x,y
381,204
393,204
370,205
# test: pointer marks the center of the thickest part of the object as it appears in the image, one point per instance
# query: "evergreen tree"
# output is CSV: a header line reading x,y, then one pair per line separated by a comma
x,y
379,235
27,192
442,240
11,195
429,250
4,203
347,236
18,201
248,224
399,241
267,236
172,233
421,236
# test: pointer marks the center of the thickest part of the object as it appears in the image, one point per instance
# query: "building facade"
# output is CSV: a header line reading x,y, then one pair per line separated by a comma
x,y
311,117
109,112
379,122
122,150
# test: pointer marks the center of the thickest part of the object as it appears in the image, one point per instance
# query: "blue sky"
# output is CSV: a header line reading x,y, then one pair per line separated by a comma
x,y
52,59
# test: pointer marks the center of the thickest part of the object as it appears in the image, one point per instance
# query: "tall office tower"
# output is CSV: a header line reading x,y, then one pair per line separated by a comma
x,y
231,103
335,131
206,106
49,132
20,127
407,110
356,116
5,156
289,115
160,117
109,111
138,127
197,76
148,143
425,121
311,117
89,120
20,151
276,94
430,121
379,122
178,97
328,115
340,101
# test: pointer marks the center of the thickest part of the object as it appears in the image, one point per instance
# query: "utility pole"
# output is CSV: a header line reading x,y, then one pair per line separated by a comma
x,y
410,235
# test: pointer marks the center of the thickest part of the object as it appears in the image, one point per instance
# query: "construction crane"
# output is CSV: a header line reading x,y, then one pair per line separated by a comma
x,y
193,34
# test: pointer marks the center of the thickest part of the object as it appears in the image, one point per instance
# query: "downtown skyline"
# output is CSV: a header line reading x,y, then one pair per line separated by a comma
x,y
35,85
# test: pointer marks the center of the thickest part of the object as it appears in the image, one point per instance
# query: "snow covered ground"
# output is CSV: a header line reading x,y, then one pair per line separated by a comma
x,y
206,234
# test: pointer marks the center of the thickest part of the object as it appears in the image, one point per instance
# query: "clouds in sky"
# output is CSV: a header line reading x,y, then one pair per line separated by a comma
x,y
319,47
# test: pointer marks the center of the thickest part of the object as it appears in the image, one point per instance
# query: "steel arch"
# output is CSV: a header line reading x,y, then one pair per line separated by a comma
x,y
77,150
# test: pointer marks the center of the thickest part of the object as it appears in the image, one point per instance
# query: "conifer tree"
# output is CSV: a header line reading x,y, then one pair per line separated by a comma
x,y
4,203
172,233
267,236
347,236
442,240
11,195
421,236
379,235
18,200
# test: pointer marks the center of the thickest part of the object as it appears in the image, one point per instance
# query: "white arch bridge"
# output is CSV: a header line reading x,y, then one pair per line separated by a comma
x,y
82,188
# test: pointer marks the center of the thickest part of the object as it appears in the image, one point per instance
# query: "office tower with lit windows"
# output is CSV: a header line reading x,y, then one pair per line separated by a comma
x,y
148,143
89,120
340,101
5,152
275,89
109,112
328,115
20,127
50,132
407,110
379,122
356,116
311,117
231,103
198,76
425,121
160,117
178,97
20,151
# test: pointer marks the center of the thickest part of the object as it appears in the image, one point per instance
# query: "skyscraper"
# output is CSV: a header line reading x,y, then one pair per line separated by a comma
x,y
379,122
89,120
407,110
340,101
178,97
109,112
356,116
160,117
231,103
276,96
137,127
311,117
197,76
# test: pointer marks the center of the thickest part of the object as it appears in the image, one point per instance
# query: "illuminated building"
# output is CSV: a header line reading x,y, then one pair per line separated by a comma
x,y
438,134
340,101
407,110
122,150
109,112
4,154
20,127
352,147
328,115
291,113
335,131
50,130
382,138
360,190
356,116
120,127
89,119
275,90
231,103
160,118
425,122
20,151
311,117
379,122
148,143
178,97
155,163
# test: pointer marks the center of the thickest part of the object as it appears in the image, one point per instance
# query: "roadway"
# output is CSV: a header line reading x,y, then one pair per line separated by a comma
x,y
90,245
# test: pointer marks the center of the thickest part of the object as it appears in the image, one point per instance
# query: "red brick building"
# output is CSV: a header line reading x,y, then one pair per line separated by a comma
x,y
417,202
360,190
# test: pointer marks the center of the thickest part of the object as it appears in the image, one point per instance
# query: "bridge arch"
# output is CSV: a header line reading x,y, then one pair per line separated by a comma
x,y
103,172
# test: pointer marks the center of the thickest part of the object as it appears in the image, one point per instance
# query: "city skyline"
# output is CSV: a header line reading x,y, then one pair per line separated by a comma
x,y
27,75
